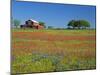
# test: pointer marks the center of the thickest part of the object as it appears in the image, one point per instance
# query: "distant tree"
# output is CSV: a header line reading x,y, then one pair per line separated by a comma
x,y
42,24
16,23
84,24
78,24
50,27
71,24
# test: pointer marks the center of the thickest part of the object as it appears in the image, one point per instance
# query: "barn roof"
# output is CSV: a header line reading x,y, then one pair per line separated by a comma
x,y
34,20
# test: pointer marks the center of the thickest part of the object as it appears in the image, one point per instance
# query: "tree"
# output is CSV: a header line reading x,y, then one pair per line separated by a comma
x,y
42,24
16,23
84,24
78,24
71,24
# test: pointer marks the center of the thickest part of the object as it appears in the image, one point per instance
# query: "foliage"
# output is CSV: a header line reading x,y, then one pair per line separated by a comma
x,y
16,23
71,23
78,24
84,23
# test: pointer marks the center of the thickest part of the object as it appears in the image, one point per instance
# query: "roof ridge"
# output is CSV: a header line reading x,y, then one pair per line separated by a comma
x,y
34,20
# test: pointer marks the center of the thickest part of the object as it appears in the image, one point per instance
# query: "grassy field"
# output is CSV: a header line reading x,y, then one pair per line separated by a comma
x,y
52,50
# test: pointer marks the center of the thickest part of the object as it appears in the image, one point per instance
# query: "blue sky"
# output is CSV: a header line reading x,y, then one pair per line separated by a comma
x,y
56,15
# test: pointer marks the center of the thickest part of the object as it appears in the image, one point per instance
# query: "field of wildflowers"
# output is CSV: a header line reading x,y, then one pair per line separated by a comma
x,y
36,51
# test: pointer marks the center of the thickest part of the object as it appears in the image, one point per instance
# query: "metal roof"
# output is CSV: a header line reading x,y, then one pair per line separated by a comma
x,y
34,20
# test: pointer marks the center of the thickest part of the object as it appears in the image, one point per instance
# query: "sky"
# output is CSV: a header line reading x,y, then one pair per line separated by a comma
x,y
53,14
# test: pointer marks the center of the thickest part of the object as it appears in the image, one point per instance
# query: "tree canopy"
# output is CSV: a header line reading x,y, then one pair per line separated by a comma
x,y
84,23
78,24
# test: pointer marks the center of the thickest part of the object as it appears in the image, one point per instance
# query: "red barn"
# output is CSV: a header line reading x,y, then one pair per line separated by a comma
x,y
32,24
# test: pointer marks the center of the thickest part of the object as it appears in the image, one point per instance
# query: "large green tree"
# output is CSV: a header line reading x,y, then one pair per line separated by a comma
x,y
78,24
84,24
71,24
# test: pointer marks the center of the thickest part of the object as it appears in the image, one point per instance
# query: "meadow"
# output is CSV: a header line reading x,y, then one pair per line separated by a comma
x,y
36,51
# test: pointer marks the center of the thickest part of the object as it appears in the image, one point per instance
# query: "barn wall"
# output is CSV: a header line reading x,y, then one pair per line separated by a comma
x,y
40,27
